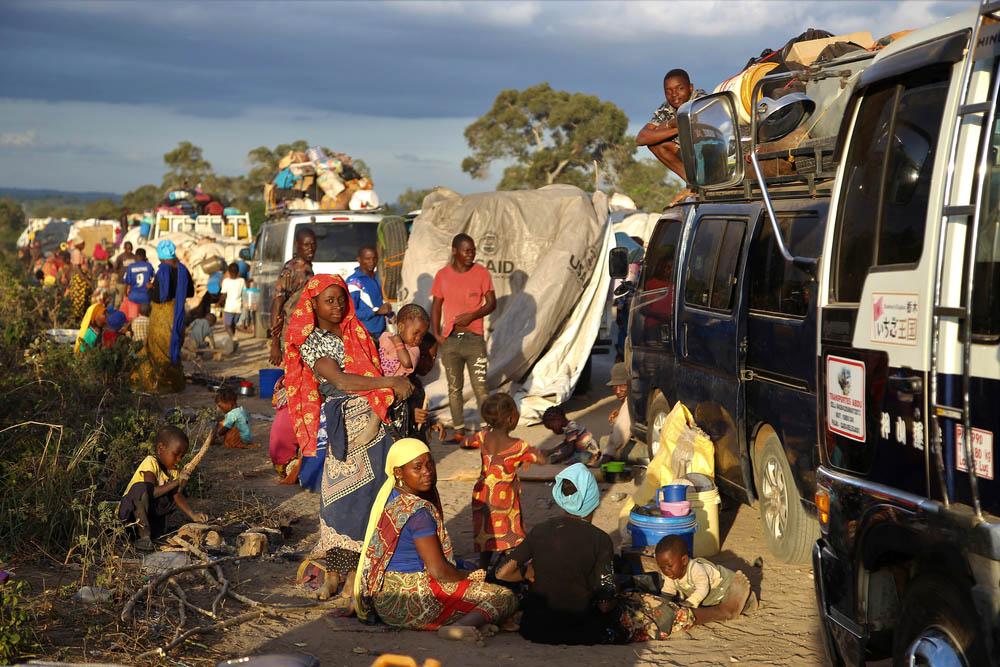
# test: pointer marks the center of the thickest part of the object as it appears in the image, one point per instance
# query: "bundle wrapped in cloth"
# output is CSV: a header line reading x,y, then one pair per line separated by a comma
x,y
316,180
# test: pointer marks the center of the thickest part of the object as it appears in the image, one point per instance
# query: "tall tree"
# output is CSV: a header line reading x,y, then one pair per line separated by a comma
x,y
411,200
264,161
650,185
185,164
12,220
142,198
103,209
552,136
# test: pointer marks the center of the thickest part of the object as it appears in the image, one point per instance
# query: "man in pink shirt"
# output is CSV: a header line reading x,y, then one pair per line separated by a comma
x,y
463,294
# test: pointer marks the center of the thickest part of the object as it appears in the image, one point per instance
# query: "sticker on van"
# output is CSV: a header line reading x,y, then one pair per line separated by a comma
x,y
982,452
845,397
894,318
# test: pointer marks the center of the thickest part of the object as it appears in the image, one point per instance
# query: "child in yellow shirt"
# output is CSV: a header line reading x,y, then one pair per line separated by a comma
x,y
155,490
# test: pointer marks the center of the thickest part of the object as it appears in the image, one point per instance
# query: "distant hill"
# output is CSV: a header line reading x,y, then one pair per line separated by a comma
x,y
70,197
63,203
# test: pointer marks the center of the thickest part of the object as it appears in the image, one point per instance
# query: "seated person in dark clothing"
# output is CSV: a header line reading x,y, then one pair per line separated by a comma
x,y
155,490
568,561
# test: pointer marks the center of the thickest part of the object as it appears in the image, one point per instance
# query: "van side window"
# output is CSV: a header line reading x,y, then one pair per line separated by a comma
x,y
712,262
777,286
883,210
656,299
908,173
986,270
274,242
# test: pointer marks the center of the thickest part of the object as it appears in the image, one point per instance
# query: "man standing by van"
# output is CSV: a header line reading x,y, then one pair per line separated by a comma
x,y
660,133
366,292
288,287
463,293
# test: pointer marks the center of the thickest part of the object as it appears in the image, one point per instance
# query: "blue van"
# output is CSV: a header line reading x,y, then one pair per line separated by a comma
x,y
721,322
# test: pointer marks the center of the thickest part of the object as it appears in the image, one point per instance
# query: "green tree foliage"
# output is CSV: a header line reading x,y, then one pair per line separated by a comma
x,y
264,161
411,199
104,209
12,221
551,136
185,164
647,182
142,198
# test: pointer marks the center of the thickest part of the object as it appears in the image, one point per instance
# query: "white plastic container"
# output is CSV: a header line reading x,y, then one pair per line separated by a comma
x,y
705,505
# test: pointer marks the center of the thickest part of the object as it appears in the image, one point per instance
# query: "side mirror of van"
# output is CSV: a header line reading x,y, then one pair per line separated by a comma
x,y
709,135
618,263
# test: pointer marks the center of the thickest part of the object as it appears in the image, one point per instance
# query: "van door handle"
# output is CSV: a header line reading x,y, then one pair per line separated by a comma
x,y
684,339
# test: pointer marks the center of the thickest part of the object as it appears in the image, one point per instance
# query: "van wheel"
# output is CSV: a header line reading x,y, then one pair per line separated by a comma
x,y
656,417
790,532
937,619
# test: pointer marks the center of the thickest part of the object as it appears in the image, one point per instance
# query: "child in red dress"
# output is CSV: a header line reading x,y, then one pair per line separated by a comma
x,y
496,497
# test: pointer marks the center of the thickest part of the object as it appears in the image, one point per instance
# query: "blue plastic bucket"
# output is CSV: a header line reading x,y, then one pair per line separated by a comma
x,y
647,527
672,493
267,379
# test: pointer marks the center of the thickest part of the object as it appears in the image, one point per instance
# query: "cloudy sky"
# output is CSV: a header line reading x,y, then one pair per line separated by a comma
x,y
93,93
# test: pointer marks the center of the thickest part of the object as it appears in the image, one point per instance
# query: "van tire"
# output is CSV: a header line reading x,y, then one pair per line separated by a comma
x,y
934,602
790,532
656,415
392,239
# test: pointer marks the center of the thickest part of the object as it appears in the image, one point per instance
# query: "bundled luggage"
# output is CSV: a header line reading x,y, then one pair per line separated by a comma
x,y
313,180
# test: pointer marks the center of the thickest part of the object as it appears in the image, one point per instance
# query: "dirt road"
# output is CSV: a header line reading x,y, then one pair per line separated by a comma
x,y
784,631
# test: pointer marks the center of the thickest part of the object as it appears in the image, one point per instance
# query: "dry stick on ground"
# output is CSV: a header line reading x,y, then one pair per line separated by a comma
x,y
184,544
179,593
223,589
149,588
202,629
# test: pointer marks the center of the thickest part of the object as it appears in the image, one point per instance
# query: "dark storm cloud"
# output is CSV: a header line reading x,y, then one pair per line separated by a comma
x,y
398,60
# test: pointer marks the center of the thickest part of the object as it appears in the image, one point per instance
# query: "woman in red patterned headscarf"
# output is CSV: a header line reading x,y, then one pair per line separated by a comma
x,y
341,426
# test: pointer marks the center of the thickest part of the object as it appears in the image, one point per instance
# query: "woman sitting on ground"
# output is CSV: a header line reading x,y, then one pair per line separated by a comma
x,y
338,402
407,577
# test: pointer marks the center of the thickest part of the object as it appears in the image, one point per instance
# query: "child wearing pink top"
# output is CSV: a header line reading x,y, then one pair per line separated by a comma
x,y
400,351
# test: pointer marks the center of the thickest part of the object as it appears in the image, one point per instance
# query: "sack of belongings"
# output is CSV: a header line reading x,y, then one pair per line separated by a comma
x,y
315,179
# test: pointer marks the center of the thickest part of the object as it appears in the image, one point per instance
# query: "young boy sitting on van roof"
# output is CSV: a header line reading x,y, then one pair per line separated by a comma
x,y
716,593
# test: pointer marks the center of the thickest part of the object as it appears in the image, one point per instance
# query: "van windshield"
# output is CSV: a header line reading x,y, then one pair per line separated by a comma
x,y
340,241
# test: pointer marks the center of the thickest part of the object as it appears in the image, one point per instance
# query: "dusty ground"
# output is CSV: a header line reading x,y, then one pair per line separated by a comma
x,y
783,632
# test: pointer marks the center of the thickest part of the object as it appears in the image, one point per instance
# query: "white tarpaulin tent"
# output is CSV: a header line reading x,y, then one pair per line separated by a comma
x,y
546,251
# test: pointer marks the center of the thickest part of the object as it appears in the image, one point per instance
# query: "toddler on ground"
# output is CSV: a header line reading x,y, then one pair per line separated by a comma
x,y
234,428
577,442
716,593
496,497
155,490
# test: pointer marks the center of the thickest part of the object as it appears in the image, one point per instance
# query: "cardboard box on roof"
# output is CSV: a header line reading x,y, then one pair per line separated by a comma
x,y
91,235
805,53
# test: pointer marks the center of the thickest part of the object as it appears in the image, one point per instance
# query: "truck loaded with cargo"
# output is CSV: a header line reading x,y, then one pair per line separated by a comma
x,y
905,344
719,321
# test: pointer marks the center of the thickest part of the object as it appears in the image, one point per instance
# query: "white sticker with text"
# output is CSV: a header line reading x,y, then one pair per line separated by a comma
x,y
845,397
982,451
894,318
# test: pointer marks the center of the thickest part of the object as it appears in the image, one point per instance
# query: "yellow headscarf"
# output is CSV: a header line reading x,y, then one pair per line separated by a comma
x,y
402,452
85,323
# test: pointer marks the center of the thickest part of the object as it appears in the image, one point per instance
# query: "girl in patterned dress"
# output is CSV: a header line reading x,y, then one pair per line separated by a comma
x,y
496,497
